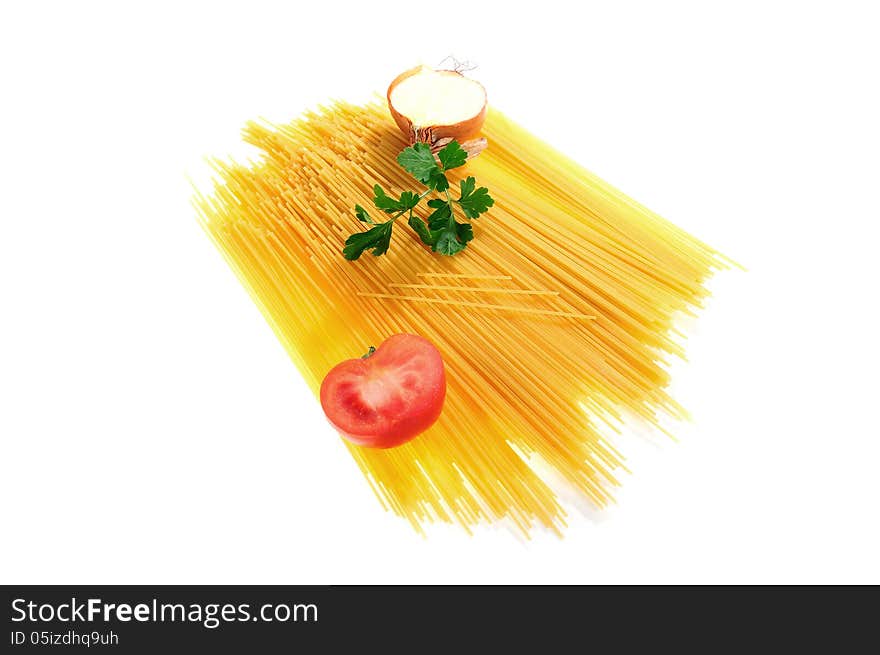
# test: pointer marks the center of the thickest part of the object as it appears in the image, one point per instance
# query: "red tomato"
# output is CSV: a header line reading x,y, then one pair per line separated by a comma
x,y
387,398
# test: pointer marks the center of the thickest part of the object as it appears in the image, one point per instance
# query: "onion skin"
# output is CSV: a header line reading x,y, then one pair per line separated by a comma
x,y
430,134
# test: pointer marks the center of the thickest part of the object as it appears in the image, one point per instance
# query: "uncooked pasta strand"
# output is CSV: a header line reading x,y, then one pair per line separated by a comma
x,y
477,305
452,287
463,276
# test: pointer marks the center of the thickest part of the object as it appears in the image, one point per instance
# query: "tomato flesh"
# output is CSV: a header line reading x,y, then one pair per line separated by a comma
x,y
388,397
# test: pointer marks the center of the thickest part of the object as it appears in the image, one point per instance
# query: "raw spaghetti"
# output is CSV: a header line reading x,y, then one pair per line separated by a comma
x,y
556,318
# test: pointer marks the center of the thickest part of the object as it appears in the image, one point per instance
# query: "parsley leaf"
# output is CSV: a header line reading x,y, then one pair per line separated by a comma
x,y
362,214
418,161
408,200
448,243
464,232
384,202
447,236
440,217
418,225
390,205
438,181
376,238
473,203
452,155
467,185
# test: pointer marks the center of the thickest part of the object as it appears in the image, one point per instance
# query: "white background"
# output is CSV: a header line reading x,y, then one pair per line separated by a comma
x,y
153,429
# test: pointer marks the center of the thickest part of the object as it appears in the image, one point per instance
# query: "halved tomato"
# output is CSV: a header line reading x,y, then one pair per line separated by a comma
x,y
389,395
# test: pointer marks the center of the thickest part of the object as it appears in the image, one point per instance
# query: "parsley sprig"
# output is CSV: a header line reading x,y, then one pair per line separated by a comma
x,y
441,230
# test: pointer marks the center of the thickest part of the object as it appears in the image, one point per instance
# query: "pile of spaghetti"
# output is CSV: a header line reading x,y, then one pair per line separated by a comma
x,y
555,324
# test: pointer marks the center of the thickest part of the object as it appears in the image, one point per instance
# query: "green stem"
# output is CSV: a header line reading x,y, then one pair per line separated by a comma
x,y
451,210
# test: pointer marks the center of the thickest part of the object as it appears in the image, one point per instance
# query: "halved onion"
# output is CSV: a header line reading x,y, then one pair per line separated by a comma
x,y
436,106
